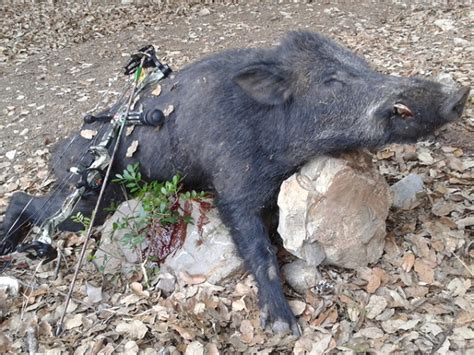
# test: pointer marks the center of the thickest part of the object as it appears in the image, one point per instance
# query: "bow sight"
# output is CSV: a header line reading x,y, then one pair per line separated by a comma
x,y
147,70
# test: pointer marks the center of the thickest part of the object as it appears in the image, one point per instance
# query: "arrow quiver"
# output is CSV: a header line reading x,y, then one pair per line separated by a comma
x,y
92,177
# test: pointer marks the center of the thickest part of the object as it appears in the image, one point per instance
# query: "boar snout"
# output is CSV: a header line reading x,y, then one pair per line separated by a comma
x,y
453,106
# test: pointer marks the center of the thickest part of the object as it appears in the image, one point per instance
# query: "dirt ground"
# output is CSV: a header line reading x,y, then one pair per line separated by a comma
x,y
57,63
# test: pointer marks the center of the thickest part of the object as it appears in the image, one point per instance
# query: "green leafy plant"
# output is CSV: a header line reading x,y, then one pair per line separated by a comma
x,y
83,220
160,203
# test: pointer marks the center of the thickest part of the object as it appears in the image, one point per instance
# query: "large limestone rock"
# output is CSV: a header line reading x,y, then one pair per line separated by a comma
x,y
334,210
211,253
207,252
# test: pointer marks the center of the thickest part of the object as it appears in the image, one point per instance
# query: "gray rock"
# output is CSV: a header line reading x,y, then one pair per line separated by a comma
x,y
446,79
113,254
461,42
204,12
445,24
334,211
300,275
210,253
166,281
405,190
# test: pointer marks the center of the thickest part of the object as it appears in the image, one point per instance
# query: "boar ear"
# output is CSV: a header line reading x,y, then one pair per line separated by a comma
x,y
264,83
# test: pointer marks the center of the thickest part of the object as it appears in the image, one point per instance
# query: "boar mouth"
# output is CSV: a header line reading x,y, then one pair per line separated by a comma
x,y
402,110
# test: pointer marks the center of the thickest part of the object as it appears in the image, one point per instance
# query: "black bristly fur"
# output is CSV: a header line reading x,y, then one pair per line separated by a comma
x,y
244,120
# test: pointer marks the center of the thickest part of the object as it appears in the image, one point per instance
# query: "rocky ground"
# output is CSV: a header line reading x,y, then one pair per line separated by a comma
x,y
59,62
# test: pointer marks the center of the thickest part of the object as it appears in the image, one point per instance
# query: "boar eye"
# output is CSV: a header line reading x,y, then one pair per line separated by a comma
x,y
333,81
402,110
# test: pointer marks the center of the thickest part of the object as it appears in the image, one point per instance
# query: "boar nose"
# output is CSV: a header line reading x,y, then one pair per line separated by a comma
x,y
453,106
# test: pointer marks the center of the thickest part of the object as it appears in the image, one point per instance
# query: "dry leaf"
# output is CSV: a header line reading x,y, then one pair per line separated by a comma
x,y
132,148
45,329
321,346
131,347
465,222
238,305
408,261
371,333
194,348
303,346
297,307
392,325
456,164
242,289
134,329
199,308
457,152
186,333
425,156
167,111
424,271
443,208
416,291
246,328
386,153
88,133
157,90
130,299
376,305
137,288
192,279
432,328
458,286
73,321
374,283
129,130
211,349
94,294
465,332
326,318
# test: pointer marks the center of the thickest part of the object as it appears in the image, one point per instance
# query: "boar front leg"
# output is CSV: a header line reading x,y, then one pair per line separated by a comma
x,y
253,244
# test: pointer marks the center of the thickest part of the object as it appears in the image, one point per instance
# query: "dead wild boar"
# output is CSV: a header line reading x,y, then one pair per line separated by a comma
x,y
243,121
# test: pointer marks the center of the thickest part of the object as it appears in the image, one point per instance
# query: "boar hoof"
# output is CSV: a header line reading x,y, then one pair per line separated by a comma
x,y
281,320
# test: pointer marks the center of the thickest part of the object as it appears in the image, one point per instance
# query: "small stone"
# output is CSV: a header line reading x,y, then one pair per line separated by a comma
x,y
446,79
405,190
460,42
194,348
300,276
444,24
204,12
166,281
10,285
11,154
